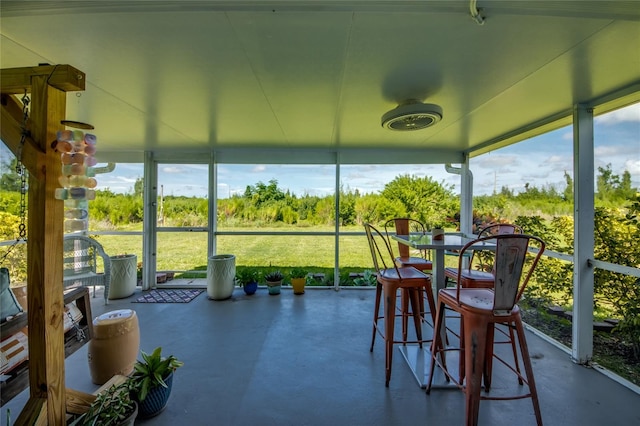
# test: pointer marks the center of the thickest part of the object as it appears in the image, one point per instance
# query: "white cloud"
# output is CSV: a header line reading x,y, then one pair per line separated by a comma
x,y
172,169
125,179
494,161
606,150
557,159
630,113
259,168
633,166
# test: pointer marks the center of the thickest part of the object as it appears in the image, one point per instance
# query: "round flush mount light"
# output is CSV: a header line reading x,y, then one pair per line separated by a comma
x,y
412,115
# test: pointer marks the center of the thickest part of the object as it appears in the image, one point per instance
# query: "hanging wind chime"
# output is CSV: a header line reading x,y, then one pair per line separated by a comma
x,y
77,179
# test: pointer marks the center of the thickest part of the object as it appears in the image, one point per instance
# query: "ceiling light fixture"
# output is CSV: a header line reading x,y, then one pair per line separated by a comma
x,y
412,115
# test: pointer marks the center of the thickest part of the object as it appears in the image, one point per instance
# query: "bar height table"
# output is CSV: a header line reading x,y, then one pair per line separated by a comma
x,y
419,360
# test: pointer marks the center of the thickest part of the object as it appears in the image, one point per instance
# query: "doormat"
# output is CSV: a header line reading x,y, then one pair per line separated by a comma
x,y
169,296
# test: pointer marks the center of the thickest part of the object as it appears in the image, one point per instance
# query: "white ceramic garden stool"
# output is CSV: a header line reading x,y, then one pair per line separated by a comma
x,y
115,345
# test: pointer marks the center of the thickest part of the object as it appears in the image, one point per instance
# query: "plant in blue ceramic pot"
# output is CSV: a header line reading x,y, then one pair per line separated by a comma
x,y
151,381
247,278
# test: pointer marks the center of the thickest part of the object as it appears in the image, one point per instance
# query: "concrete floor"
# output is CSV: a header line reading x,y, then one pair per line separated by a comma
x,y
305,360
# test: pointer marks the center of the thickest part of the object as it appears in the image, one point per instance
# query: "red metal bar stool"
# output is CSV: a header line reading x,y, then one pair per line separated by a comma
x,y
483,277
480,278
406,226
390,279
480,309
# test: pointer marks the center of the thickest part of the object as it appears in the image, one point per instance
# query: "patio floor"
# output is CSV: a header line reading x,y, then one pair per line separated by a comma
x,y
305,360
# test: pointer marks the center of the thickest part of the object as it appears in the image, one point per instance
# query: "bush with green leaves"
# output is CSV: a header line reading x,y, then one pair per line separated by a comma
x,y
367,279
13,256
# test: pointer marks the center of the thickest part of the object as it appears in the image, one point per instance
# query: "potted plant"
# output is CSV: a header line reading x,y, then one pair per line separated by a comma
x,y
114,406
437,231
274,281
247,278
298,280
151,381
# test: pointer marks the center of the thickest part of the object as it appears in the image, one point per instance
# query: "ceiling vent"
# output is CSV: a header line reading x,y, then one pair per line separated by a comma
x,y
412,115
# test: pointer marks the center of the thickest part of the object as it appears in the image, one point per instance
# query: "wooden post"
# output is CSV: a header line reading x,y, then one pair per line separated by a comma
x,y
44,255
47,85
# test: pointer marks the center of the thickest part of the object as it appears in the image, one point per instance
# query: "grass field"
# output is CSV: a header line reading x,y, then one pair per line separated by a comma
x,y
187,251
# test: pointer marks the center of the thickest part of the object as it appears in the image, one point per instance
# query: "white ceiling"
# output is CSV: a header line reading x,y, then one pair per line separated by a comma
x,y
244,77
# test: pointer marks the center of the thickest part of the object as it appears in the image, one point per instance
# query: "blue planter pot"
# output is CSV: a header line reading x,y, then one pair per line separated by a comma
x,y
250,288
156,399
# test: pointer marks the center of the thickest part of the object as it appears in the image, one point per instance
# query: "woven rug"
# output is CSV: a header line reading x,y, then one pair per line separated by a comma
x,y
169,296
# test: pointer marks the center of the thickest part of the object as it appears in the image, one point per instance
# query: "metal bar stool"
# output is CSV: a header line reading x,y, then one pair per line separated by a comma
x,y
480,309
483,277
390,279
406,226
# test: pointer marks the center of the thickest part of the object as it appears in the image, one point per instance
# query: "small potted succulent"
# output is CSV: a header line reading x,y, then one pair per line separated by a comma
x,y
298,280
247,278
274,281
151,381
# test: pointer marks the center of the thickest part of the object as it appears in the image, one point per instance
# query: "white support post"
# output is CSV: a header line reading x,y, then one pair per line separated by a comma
x,y
466,197
212,217
583,166
149,221
336,262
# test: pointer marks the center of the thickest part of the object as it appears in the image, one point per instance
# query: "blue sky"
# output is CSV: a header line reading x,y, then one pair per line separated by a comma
x,y
540,161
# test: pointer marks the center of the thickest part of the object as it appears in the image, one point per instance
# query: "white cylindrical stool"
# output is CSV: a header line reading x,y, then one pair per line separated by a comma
x,y
114,346
221,276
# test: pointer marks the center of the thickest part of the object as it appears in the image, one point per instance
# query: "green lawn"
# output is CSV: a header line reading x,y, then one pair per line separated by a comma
x,y
188,251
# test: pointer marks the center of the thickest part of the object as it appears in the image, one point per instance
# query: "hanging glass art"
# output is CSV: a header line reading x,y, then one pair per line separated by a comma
x,y
77,180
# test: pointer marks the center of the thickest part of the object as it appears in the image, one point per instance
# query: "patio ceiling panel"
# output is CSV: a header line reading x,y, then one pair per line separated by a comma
x,y
298,60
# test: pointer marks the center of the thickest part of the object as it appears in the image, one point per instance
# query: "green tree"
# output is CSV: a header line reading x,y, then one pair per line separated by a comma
x,y
138,187
325,210
423,199
625,190
262,193
606,183
10,180
347,208
568,190
307,207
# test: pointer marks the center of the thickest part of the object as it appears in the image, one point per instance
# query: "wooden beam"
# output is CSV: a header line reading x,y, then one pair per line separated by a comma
x,y
34,413
63,77
44,257
11,132
78,402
